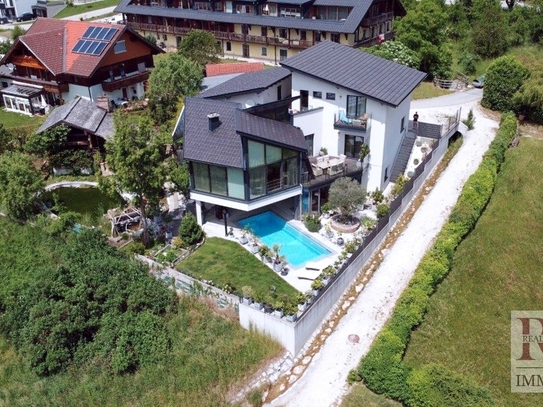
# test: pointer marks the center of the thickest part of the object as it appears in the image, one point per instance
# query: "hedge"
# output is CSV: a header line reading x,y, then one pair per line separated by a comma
x,y
382,369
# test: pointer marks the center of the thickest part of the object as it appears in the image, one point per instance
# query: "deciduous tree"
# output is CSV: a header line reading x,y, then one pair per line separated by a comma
x,y
397,52
503,78
346,194
174,76
200,47
20,185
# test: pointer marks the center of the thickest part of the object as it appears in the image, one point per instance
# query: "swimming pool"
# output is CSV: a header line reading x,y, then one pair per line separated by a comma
x,y
297,247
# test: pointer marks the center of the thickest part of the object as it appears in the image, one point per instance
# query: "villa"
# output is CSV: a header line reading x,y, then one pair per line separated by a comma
x,y
58,60
271,30
259,138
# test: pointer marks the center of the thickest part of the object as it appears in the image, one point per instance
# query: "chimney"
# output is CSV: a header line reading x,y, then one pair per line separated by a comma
x,y
103,102
214,121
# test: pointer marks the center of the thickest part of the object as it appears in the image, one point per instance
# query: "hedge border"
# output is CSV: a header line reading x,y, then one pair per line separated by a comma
x,y
383,369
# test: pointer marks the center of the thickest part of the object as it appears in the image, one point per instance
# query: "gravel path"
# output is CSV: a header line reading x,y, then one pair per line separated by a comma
x,y
324,381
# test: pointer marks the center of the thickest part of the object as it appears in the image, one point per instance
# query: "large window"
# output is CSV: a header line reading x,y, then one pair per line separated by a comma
x,y
218,180
352,145
356,106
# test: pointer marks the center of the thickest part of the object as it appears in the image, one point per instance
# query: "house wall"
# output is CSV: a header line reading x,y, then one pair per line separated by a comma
x,y
91,93
310,122
134,49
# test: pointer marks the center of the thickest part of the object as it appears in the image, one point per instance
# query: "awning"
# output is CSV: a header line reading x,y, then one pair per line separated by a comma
x,y
26,92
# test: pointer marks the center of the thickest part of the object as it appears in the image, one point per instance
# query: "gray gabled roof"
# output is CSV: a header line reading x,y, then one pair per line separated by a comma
x,y
349,25
83,114
367,74
222,146
248,82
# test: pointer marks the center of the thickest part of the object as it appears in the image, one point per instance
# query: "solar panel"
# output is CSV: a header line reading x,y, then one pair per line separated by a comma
x,y
99,49
89,30
94,40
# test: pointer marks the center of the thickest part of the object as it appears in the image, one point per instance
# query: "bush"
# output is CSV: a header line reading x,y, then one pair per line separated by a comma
x,y
312,222
353,376
134,248
190,232
382,210
503,78
470,120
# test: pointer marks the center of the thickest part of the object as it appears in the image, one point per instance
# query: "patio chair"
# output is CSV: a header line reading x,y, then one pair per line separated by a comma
x,y
342,158
343,117
316,170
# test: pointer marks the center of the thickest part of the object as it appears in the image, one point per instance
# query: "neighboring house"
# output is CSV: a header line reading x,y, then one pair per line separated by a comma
x,y
348,97
336,97
90,125
58,60
14,8
238,159
270,30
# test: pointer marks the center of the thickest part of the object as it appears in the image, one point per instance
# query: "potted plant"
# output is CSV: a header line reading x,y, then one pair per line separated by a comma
x,y
328,232
309,297
254,243
362,154
278,259
248,294
291,311
265,253
301,299
340,240
243,238
258,299
329,271
323,151
316,286
325,209
278,307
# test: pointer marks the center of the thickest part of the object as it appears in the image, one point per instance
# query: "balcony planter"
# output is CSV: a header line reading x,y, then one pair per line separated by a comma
x,y
247,300
248,294
291,318
254,247
268,309
278,313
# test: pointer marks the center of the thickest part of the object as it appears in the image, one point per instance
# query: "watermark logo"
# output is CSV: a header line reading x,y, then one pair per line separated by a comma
x,y
527,351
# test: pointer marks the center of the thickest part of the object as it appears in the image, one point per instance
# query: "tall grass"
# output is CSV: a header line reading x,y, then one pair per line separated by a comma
x,y
497,269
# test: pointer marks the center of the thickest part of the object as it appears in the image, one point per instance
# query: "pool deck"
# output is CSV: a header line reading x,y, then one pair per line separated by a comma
x,y
214,227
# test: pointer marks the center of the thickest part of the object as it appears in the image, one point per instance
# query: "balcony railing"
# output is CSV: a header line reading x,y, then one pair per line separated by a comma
x,y
351,168
362,123
120,82
382,18
227,36
48,86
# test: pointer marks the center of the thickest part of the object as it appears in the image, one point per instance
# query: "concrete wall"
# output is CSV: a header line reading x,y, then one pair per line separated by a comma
x,y
294,336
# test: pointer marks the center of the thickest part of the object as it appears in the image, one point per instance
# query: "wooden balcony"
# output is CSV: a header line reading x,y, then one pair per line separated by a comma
x,y
382,18
48,86
125,81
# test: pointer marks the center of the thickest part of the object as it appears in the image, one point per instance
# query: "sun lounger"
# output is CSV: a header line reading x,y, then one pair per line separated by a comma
x,y
308,274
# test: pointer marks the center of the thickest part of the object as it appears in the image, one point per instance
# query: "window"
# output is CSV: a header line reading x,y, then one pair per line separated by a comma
x,y
334,37
386,173
330,96
303,35
264,51
217,6
353,145
228,46
317,36
282,54
389,26
304,100
309,140
356,106
264,31
402,124
218,180
283,33
317,95
119,47
165,37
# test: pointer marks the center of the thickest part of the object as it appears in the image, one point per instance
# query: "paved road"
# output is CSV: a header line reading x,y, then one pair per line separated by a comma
x,y
454,99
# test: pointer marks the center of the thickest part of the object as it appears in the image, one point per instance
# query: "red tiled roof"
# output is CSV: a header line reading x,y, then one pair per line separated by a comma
x,y
226,69
52,41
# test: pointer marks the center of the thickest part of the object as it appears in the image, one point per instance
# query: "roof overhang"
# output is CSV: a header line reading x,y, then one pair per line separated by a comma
x,y
22,91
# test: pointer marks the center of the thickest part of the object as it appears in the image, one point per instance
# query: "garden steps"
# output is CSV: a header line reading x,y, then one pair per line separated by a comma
x,y
403,156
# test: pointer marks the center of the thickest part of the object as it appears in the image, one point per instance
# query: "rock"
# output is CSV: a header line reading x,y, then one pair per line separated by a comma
x,y
346,304
328,330
354,338
286,366
292,379
359,287
306,360
274,377
282,387
298,370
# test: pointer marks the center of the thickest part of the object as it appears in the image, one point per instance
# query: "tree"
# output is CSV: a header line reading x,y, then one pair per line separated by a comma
x,y
503,78
20,185
200,47
528,99
489,34
173,76
6,139
49,142
136,156
5,46
17,32
424,30
151,38
189,230
346,194
397,52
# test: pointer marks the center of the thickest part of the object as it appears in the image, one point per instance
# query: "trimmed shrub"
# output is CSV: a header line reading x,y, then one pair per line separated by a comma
x,y
312,222
503,78
382,210
382,369
190,232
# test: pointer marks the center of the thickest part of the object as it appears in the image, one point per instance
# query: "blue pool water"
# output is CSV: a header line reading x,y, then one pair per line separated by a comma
x,y
297,247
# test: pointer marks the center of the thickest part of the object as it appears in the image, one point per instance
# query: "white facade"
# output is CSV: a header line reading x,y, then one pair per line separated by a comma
x,y
382,132
93,92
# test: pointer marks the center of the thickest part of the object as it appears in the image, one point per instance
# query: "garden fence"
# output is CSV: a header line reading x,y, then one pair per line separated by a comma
x,y
294,335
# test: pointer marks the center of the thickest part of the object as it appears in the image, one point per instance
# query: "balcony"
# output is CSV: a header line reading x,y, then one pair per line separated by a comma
x,y
382,18
120,82
368,42
351,168
361,124
48,86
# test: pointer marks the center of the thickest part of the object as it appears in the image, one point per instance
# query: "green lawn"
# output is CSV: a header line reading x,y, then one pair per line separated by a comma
x,y
12,120
84,8
226,262
497,269
427,90
360,396
89,202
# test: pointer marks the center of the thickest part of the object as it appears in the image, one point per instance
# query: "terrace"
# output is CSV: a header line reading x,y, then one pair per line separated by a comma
x,y
326,169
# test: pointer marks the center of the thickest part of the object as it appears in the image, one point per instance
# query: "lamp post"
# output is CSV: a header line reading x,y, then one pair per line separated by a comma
x,y
224,213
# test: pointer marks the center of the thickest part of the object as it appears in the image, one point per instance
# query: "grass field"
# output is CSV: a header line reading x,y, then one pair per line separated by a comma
x,y
84,8
210,354
360,396
11,120
226,262
497,269
427,90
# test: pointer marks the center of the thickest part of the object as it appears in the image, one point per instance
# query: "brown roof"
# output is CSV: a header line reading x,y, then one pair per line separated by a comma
x,y
227,69
52,41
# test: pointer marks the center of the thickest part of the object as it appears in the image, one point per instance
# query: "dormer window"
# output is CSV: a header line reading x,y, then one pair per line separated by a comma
x,y
119,47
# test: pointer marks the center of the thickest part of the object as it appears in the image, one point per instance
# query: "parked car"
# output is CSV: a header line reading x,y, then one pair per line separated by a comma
x,y
25,17
479,82
4,20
